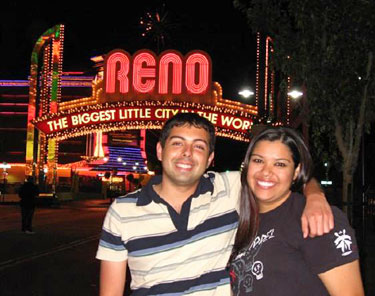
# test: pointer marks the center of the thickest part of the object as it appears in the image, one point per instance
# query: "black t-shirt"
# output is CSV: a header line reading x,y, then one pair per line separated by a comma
x,y
281,262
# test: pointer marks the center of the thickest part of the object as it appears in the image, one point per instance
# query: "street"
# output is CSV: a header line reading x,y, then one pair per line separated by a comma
x,y
59,259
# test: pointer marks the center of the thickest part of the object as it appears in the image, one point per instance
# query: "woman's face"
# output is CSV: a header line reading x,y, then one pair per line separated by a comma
x,y
270,174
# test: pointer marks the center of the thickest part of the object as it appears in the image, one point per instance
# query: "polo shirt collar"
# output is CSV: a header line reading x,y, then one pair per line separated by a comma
x,y
148,194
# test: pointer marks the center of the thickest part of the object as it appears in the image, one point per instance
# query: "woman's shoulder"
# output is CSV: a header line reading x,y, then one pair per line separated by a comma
x,y
298,201
289,219
293,207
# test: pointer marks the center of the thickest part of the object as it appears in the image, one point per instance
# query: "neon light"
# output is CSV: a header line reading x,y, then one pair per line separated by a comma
x,y
19,83
49,91
141,73
53,107
177,73
14,96
121,59
194,60
80,78
14,104
233,121
66,82
76,84
268,39
143,143
288,102
98,150
272,88
13,113
169,74
257,71
17,164
72,73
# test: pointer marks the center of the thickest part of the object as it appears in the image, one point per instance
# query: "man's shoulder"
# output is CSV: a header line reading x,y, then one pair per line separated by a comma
x,y
129,198
126,206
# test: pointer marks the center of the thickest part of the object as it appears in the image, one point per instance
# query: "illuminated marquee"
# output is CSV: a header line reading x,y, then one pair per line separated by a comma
x,y
170,76
137,116
143,91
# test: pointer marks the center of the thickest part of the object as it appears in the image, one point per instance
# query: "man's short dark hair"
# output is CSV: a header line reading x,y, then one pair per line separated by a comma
x,y
191,119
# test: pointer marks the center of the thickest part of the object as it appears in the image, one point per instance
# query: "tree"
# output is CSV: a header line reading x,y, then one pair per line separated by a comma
x,y
326,47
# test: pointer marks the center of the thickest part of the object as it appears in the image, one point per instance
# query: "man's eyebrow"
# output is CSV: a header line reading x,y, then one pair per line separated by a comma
x,y
176,137
182,138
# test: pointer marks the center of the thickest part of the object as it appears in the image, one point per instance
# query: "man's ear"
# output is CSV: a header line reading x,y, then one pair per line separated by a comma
x,y
159,151
210,159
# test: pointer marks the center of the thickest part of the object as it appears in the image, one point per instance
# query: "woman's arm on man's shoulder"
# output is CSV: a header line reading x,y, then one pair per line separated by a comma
x,y
317,218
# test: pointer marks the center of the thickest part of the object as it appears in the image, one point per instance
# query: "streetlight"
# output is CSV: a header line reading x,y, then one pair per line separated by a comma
x,y
246,93
302,108
295,94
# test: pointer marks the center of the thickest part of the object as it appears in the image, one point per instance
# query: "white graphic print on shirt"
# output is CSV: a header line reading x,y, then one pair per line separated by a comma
x,y
245,266
343,242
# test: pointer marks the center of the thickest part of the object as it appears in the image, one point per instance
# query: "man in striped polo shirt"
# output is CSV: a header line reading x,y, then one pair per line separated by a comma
x,y
176,234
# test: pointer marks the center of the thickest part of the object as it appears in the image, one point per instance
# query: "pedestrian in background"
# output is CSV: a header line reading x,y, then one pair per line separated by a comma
x,y
28,193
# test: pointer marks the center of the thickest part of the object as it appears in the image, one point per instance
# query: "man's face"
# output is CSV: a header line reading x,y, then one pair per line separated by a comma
x,y
185,156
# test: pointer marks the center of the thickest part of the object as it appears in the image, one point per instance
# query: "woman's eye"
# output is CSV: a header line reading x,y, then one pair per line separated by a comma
x,y
280,164
257,160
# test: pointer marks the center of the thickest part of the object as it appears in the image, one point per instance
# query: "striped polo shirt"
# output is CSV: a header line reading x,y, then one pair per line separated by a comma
x,y
170,253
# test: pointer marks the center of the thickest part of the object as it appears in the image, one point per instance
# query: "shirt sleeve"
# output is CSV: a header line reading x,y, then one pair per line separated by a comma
x,y
111,245
233,185
333,249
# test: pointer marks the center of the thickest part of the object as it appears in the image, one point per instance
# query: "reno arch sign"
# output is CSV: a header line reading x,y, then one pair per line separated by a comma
x,y
170,76
142,91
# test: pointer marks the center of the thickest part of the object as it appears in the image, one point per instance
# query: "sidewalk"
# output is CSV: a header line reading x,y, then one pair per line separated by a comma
x,y
9,198
13,199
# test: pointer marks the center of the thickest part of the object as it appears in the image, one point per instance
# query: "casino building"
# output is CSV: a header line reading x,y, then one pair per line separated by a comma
x,y
74,131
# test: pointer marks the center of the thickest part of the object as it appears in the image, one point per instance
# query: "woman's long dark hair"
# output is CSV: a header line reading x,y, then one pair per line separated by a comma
x,y
249,214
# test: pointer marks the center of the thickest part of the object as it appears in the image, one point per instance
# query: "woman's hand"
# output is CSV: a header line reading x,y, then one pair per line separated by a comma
x,y
317,218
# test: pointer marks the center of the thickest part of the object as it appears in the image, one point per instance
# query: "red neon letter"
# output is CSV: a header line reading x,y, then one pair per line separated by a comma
x,y
123,60
194,85
139,72
177,73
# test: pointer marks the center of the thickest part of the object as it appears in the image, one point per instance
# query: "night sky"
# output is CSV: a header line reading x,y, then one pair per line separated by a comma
x,y
92,30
